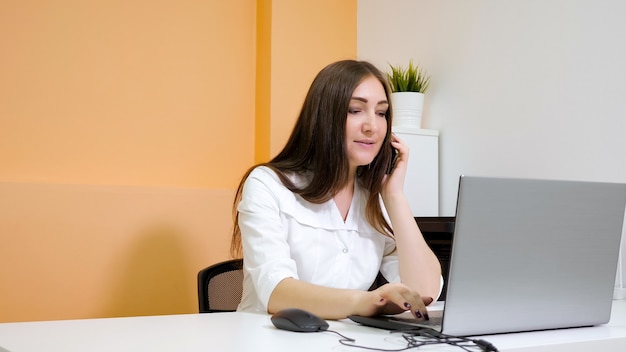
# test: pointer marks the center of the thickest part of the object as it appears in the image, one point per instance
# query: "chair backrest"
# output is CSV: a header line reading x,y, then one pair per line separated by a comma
x,y
220,286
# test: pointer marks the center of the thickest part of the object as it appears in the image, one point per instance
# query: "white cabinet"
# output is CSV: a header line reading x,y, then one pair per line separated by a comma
x,y
421,186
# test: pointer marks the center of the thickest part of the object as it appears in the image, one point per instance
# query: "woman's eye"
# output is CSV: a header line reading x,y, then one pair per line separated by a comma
x,y
382,113
353,111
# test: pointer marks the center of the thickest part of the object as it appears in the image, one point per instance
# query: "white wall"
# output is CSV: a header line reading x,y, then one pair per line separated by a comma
x,y
529,88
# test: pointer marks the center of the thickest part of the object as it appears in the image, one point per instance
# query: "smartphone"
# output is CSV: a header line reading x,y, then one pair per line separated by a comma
x,y
394,157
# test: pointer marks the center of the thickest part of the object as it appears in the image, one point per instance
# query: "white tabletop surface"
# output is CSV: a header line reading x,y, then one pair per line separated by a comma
x,y
252,332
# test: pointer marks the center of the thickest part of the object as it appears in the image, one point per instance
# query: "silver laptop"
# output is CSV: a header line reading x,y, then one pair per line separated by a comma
x,y
529,254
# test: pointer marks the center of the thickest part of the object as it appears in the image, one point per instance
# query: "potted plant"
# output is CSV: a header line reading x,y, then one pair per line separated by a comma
x,y
408,85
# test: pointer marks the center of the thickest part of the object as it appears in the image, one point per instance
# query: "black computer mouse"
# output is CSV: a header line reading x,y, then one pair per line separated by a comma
x,y
294,319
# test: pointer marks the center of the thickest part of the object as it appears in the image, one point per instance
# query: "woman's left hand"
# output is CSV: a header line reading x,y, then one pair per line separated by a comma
x,y
394,182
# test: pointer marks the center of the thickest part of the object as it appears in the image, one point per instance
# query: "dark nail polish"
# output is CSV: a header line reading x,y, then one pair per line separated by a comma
x,y
418,314
426,317
407,305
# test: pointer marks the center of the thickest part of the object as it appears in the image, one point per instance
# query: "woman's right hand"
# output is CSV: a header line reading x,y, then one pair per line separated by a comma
x,y
392,298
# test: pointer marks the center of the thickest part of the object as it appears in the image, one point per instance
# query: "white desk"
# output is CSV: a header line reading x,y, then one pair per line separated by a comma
x,y
253,332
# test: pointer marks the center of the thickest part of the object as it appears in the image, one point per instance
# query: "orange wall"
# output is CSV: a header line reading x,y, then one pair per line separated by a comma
x,y
83,251
126,92
306,36
124,128
296,40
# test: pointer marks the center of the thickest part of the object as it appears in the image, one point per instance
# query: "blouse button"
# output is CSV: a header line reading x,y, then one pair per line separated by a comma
x,y
345,250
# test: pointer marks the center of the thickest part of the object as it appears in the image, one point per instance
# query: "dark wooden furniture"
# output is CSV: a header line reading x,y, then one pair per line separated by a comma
x,y
438,233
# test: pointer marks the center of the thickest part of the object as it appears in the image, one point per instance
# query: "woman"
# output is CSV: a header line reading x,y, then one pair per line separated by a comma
x,y
318,222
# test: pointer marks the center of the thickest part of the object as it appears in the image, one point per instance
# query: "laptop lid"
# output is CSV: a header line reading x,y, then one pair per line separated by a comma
x,y
532,254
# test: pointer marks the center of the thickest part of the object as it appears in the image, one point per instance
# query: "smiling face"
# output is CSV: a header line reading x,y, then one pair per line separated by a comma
x,y
366,125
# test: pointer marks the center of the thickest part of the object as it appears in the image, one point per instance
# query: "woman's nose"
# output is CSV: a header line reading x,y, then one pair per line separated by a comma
x,y
370,125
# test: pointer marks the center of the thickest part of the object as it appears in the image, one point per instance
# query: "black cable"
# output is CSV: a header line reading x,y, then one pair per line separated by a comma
x,y
346,342
345,338
486,345
419,337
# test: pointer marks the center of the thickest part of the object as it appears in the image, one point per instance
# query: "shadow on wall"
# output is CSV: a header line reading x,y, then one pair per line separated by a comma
x,y
152,276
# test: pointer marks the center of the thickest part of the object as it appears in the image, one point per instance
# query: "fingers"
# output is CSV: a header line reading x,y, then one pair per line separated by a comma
x,y
403,151
420,311
395,138
405,299
398,143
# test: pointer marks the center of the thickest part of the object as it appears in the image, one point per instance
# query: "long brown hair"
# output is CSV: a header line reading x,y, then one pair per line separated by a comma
x,y
317,145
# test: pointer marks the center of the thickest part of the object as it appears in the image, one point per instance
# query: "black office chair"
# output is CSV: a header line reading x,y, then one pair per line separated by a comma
x,y
220,286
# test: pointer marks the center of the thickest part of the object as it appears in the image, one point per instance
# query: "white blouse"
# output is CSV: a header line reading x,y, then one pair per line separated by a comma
x,y
284,236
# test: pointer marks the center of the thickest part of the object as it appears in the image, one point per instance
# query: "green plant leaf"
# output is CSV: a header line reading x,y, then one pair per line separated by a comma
x,y
408,79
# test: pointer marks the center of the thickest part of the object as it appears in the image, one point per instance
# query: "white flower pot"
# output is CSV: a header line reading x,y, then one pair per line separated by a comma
x,y
407,109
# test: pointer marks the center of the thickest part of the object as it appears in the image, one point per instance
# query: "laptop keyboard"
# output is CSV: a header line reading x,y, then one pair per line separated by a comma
x,y
434,322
